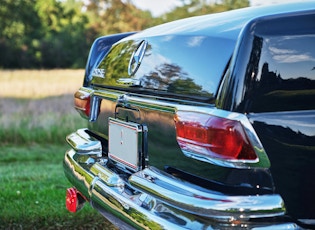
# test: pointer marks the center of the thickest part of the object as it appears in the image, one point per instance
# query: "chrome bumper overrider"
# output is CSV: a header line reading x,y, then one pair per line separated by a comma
x,y
151,199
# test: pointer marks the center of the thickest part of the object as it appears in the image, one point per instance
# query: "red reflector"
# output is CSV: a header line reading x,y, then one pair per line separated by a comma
x,y
213,136
72,200
82,103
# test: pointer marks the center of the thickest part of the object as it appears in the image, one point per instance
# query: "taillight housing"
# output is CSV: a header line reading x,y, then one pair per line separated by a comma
x,y
86,104
204,135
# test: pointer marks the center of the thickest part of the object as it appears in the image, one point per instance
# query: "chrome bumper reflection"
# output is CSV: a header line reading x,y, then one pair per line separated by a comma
x,y
151,199
84,144
206,203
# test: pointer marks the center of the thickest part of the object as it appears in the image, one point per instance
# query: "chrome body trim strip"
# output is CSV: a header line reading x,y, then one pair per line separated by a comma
x,y
174,106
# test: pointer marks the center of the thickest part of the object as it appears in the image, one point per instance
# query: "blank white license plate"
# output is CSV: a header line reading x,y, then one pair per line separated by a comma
x,y
124,145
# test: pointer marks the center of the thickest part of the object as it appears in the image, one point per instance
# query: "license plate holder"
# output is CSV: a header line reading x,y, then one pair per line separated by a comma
x,y
125,141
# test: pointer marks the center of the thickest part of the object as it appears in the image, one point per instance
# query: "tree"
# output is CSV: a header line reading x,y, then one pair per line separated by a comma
x,y
42,33
201,7
58,33
18,21
116,16
64,42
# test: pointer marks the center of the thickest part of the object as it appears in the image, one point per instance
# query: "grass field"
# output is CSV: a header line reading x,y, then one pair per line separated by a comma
x,y
36,114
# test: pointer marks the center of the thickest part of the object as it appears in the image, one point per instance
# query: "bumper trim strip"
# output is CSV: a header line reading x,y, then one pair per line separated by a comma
x,y
84,144
211,204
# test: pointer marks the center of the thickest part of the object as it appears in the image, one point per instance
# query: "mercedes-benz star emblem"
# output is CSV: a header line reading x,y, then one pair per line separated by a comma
x,y
136,58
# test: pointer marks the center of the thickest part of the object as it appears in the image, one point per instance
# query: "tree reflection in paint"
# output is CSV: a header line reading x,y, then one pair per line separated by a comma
x,y
172,79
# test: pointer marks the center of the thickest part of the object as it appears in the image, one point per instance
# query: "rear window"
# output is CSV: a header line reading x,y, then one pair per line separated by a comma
x,y
286,74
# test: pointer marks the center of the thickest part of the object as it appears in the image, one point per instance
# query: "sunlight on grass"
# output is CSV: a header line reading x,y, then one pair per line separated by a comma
x,y
39,83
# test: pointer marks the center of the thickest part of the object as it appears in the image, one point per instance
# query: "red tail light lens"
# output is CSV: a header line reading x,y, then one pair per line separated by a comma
x,y
82,103
213,136
72,200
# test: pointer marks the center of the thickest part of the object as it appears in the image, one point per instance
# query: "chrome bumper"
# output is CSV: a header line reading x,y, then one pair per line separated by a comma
x,y
151,199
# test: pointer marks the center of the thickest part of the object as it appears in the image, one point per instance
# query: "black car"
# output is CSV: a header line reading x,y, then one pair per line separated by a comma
x,y
206,122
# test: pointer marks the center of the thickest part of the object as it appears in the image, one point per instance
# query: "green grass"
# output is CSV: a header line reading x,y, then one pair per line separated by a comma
x,y
34,120
38,120
39,83
33,191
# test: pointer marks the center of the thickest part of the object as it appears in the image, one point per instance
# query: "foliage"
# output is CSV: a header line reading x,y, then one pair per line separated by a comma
x,y
41,34
202,7
116,16
58,34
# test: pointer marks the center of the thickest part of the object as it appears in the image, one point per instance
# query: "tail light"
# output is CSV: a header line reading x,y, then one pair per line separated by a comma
x,y
212,136
74,201
82,103
86,104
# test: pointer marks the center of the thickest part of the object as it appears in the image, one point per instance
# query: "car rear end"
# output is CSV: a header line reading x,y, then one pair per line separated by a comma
x,y
159,151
